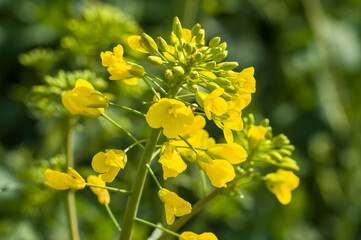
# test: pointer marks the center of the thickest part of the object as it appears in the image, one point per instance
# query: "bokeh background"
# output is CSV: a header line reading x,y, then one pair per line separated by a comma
x,y
307,57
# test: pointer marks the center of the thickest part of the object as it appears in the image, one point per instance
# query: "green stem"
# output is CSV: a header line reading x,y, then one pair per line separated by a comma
x,y
190,145
123,129
137,189
196,209
151,88
108,188
204,182
70,195
157,226
156,78
153,176
127,108
134,144
186,95
112,217
156,84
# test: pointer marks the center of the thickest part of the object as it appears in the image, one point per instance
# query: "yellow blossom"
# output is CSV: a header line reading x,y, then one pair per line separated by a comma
x,y
232,152
170,114
102,194
135,43
219,172
172,163
256,134
245,80
281,183
63,181
174,205
109,163
84,99
192,129
193,236
233,122
213,103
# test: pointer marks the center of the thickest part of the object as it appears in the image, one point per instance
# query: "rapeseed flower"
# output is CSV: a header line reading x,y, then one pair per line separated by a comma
x,y
109,163
174,205
63,181
213,103
84,100
102,194
232,152
281,183
170,114
256,135
219,172
172,163
192,236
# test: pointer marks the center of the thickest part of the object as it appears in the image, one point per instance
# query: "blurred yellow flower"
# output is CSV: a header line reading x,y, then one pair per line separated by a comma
x,y
256,134
170,114
63,181
85,100
213,103
245,80
109,163
219,172
232,152
172,163
281,183
193,129
102,194
193,236
174,205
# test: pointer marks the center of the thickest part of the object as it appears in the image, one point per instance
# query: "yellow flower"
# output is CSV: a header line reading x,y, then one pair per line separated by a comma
x,y
219,172
118,68
174,205
109,163
193,236
193,129
63,181
281,183
232,152
135,43
170,114
245,80
81,99
256,134
233,122
172,163
213,103
102,194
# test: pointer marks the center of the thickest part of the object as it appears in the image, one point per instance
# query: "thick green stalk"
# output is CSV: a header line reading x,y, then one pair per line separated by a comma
x,y
70,195
137,189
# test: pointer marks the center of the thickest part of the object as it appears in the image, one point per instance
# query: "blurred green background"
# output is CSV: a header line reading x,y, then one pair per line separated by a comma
x,y
307,57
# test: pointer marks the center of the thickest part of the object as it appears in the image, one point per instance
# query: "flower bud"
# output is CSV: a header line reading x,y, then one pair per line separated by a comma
x,y
192,87
154,60
173,39
200,36
162,44
199,57
230,89
214,42
211,86
226,96
195,29
149,42
276,155
168,74
289,164
222,81
177,27
193,75
178,70
223,45
226,66
210,65
200,96
188,48
220,56
136,70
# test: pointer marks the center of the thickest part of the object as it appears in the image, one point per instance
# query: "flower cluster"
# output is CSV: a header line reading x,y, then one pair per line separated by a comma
x,y
215,92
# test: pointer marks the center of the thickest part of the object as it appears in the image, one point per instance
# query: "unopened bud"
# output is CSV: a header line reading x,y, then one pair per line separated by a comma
x,y
222,81
200,36
192,87
210,65
162,44
188,48
200,96
178,70
199,57
173,39
193,75
195,29
223,46
280,140
203,157
230,89
136,70
276,155
289,164
220,56
149,42
285,152
265,122
168,74
154,60
211,86
177,27
214,42
226,66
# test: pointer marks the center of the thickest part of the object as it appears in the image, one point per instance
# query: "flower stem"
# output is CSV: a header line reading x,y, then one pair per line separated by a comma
x,y
127,108
70,195
155,83
123,129
151,88
153,176
156,226
112,217
136,143
137,189
108,188
190,145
